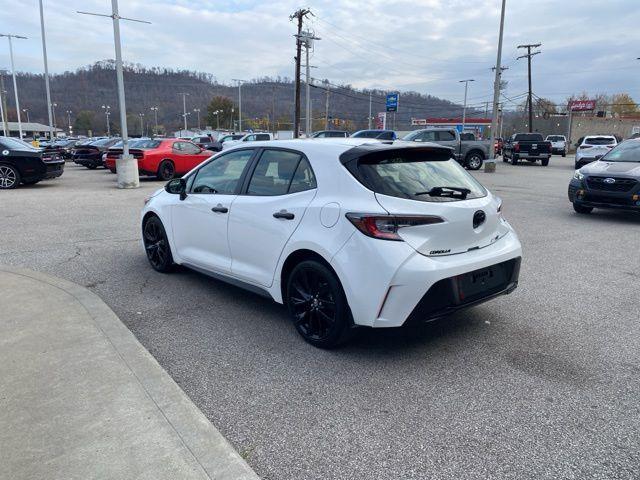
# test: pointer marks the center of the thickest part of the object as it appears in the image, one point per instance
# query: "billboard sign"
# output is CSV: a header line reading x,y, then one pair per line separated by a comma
x,y
381,121
582,105
392,102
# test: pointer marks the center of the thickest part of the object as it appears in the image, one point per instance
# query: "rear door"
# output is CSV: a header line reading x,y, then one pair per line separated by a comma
x,y
265,215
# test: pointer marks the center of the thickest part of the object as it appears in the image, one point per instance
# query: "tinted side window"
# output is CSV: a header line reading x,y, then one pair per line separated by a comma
x,y
223,174
446,136
303,179
250,138
386,136
273,173
263,136
428,136
190,148
177,146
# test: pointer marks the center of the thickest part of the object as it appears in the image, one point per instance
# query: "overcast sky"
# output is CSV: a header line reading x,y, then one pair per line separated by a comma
x,y
422,45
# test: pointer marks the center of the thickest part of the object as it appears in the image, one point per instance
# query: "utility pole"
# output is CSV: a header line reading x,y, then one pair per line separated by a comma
x,y
46,70
15,84
307,37
299,16
155,119
370,117
490,164
69,112
528,56
464,108
239,102
126,165
184,109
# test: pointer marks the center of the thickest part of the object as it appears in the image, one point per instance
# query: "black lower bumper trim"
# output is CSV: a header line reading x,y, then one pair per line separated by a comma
x,y
444,298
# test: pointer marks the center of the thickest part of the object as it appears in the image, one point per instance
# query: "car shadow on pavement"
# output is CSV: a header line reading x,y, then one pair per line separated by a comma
x,y
605,216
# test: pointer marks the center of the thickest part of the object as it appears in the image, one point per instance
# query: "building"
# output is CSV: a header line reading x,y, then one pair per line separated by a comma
x,y
471,124
29,129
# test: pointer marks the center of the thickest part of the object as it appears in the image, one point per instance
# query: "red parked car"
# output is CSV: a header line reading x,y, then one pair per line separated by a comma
x,y
161,158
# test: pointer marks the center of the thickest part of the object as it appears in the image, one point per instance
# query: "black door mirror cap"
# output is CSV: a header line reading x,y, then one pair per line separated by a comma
x,y
177,186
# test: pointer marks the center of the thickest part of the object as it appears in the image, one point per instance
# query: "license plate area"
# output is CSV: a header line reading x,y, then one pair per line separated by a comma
x,y
534,146
480,282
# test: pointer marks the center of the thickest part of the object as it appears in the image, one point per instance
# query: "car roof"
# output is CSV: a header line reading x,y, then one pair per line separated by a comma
x,y
599,136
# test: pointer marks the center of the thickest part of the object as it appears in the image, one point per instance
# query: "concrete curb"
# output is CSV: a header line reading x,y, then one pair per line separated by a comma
x,y
209,448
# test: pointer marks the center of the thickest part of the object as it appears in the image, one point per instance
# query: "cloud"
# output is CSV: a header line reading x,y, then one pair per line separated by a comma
x,y
422,45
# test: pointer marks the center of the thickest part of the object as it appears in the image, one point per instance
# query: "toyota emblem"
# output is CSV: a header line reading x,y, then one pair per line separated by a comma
x,y
609,180
478,218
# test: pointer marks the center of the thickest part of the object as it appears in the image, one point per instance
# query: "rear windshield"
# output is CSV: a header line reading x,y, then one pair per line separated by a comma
x,y
411,174
144,144
555,138
624,152
528,137
367,134
100,143
599,141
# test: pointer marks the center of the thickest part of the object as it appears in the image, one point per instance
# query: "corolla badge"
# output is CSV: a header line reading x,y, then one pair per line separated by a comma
x,y
478,218
609,180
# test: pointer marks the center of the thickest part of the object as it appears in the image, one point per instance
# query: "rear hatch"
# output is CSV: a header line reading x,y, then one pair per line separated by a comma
x,y
596,147
87,151
424,182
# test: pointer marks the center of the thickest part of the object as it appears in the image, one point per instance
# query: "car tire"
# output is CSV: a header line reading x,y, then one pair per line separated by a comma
x,y
564,154
545,162
166,170
474,161
91,166
317,305
514,160
9,177
156,245
582,208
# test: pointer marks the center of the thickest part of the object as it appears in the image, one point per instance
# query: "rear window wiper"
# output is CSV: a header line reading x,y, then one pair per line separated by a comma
x,y
446,192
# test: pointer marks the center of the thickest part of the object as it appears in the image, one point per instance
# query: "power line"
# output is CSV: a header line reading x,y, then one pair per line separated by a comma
x,y
528,56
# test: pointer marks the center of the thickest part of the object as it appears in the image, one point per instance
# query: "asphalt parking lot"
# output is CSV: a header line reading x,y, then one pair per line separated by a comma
x,y
541,384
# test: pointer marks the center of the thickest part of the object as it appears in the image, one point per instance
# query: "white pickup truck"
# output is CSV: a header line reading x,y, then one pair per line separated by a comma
x,y
249,137
558,144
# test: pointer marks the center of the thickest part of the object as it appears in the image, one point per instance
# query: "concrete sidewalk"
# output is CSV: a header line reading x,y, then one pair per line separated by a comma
x,y
80,398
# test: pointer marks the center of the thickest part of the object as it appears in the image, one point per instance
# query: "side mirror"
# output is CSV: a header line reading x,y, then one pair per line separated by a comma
x,y
177,186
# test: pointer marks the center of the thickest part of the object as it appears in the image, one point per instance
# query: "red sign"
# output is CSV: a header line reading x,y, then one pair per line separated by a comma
x,y
582,105
381,121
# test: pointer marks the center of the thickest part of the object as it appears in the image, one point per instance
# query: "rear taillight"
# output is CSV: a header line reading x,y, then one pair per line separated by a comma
x,y
516,147
385,227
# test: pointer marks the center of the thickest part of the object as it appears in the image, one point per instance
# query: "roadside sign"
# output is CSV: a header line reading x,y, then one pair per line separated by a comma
x,y
392,102
381,121
582,105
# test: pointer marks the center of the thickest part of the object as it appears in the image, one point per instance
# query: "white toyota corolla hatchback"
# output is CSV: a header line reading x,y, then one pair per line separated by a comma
x,y
344,232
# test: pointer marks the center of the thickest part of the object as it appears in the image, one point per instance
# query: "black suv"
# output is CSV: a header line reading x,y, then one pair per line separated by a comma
x,y
20,162
613,181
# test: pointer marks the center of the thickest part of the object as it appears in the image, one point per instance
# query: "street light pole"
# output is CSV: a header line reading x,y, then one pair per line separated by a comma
x,y
26,110
184,109
197,110
464,108
107,112
370,117
69,112
155,119
141,115
126,165
53,109
46,70
15,83
490,164
239,102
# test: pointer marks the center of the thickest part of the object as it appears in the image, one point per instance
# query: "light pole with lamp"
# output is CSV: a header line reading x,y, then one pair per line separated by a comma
x,y
53,110
197,110
239,102
13,73
464,108
155,119
107,112
141,115
26,111
69,112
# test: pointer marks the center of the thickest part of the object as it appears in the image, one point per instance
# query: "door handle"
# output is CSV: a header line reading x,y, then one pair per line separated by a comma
x,y
284,214
219,209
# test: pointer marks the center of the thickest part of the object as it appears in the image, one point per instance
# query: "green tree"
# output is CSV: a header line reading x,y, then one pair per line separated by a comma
x,y
622,104
224,107
84,122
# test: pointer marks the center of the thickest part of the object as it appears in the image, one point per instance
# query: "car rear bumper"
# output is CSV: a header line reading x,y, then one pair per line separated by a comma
x,y
532,156
54,169
398,287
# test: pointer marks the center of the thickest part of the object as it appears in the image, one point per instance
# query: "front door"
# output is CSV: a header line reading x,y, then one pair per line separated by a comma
x,y
264,217
200,220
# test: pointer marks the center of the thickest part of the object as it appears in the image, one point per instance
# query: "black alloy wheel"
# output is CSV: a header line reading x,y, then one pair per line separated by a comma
x,y
157,246
9,177
318,306
166,170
